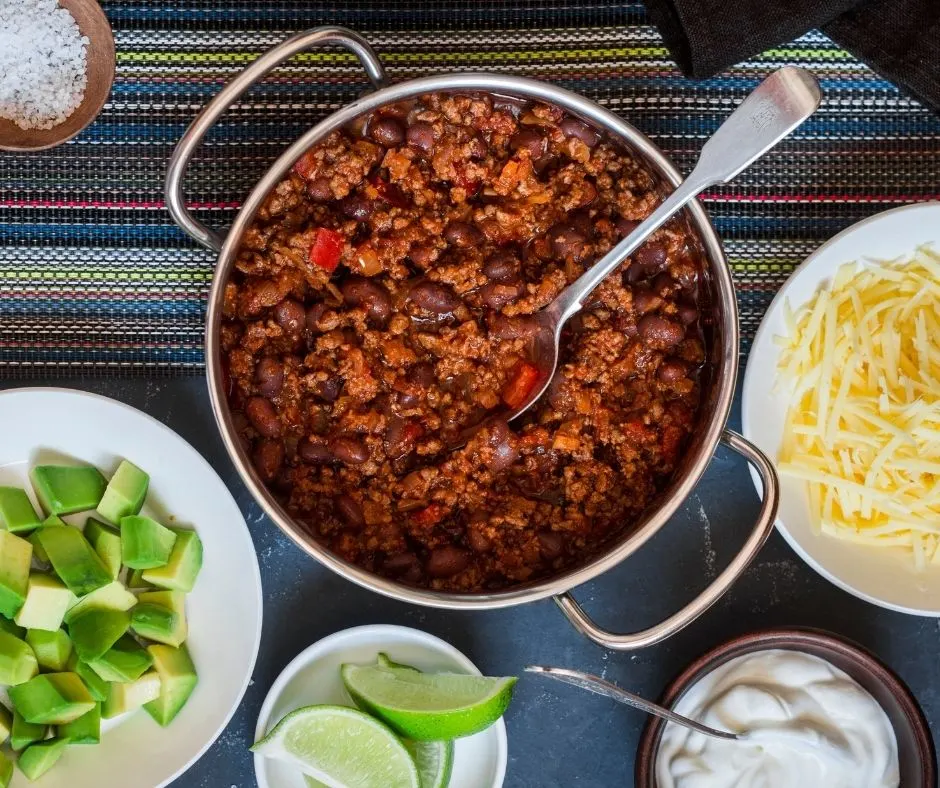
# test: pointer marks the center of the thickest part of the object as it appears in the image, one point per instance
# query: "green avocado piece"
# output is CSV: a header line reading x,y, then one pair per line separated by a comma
x,y
94,631
136,580
6,723
74,560
52,698
24,733
106,541
126,660
85,730
125,493
177,681
113,596
161,616
131,695
98,688
14,629
6,770
16,511
16,555
64,489
184,564
39,552
18,663
145,543
52,649
37,759
47,599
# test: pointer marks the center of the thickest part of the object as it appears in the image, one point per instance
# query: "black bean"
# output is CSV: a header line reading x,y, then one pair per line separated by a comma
x,y
357,207
263,417
319,190
531,140
400,563
290,316
521,327
501,266
349,511
400,436
463,235
569,243
349,450
269,376
551,543
313,315
423,374
514,106
420,134
687,313
434,297
645,301
359,291
329,389
447,561
268,458
315,451
497,294
659,332
387,132
652,257
571,127
672,370
626,226
582,222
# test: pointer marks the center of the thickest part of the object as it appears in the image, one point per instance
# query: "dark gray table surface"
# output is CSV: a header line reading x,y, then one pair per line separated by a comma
x,y
558,736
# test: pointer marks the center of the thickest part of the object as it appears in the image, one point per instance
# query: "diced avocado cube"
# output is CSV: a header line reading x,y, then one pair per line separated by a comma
x,y
64,489
16,555
131,695
106,541
74,560
85,730
47,599
145,543
181,570
39,758
161,616
97,687
135,580
14,629
6,770
52,649
126,660
18,663
113,596
6,723
52,698
39,552
177,682
24,733
94,631
16,512
125,494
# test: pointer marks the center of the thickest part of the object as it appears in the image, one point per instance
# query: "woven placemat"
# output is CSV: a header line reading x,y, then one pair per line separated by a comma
x,y
95,278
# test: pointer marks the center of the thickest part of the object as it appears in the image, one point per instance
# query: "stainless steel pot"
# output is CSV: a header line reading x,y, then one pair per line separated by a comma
x,y
723,350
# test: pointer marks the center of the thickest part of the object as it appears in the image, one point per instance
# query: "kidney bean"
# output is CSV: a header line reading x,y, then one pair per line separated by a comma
x,y
659,332
672,370
357,207
652,257
447,561
349,450
263,417
423,374
571,127
514,106
269,376
478,541
687,313
434,297
400,564
626,226
290,316
313,315
502,442
387,132
501,266
521,327
329,389
319,189
315,451
645,301
569,243
582,222
349,511
421,256
530,140
421,135
497,294
359,291
551,543
268,458
462,235
400,436
663,284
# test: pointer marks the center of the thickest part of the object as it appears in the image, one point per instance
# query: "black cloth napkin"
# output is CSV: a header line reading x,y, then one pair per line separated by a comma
x,y
898,38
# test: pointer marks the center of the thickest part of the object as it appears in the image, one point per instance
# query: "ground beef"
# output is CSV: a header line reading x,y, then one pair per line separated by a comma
x,y
380,310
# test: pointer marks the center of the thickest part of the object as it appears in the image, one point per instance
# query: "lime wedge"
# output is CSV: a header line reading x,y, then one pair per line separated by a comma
x,y
434,759
428,706
341,747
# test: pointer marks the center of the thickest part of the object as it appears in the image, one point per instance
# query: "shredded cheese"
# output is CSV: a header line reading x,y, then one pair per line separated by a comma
x,y
862,363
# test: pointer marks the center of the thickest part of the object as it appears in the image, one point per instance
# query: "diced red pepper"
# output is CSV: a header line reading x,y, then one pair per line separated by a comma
x,y
431,514
523,380
326,249
304,165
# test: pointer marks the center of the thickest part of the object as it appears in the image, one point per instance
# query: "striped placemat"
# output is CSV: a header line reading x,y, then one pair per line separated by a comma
x,y
94,277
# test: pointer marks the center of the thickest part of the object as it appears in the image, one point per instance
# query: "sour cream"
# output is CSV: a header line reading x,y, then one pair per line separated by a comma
x,y
808,724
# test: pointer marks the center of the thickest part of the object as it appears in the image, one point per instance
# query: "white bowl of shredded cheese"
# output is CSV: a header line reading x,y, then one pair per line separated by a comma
x,y
842,390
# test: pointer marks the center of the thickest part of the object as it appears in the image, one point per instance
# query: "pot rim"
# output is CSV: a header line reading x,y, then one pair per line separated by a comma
x,y
725,368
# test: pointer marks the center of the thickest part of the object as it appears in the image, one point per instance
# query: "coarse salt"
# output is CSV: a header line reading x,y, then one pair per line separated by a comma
x,y
42,63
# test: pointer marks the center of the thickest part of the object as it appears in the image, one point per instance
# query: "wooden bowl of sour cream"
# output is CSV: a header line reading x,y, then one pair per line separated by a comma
x,y
917,760
35,84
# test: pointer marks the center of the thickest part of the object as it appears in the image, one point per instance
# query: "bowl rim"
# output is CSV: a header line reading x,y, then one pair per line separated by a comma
x,y
788,638
726,343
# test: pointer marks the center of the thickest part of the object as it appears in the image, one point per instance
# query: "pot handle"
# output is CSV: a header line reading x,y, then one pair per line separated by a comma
x,y
765,523
192,137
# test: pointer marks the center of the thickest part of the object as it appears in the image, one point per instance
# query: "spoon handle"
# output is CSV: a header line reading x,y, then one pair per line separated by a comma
x,y
776,107
601,687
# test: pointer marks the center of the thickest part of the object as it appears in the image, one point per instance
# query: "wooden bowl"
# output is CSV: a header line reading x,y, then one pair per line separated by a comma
x,y
99,56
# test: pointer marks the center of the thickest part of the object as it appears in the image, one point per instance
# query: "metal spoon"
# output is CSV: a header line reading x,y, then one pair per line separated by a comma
x,y
776,107
598,685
